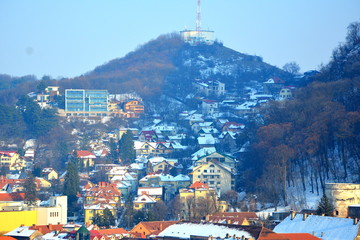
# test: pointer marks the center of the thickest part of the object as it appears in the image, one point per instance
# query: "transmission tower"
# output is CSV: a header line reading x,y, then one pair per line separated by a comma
x,y
198,16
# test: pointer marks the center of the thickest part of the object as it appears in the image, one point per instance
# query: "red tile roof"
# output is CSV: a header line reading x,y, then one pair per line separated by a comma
x,y
8,153
113,231
300,236
12,196
7,238
85,154
44,229
197,185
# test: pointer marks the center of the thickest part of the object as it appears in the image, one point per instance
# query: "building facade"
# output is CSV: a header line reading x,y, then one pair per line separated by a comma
x,y
81,102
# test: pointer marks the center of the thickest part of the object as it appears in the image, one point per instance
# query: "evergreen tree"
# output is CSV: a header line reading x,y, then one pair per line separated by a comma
x,y
71,185
325,206
114,151
108,218
126,146
30,190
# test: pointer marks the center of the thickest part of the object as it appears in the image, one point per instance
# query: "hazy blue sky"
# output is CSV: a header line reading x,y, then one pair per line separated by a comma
x,y
71,37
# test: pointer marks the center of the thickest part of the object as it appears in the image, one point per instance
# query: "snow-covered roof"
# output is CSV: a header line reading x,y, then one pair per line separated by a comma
x,y
98,206
206,139
202,152
185,230
182,177
144,199
21,232
333,228
150,191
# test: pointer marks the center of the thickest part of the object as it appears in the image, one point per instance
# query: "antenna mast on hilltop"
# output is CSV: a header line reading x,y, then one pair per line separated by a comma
x,y
198,16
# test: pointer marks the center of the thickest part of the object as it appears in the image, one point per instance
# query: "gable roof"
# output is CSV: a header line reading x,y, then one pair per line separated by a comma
x,y
84,154
199,185
333,228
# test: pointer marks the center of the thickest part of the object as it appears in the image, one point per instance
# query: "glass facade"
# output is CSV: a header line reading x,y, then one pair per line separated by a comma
x,y
86,101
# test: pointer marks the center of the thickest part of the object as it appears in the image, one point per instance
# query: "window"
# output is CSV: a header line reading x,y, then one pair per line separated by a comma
x,y
212,165
205,170
211,182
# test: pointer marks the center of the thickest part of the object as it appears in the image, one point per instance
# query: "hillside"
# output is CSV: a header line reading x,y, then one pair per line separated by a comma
x,y
312,139
167,64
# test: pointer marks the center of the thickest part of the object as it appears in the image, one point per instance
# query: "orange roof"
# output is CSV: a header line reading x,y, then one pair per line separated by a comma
x,y
113,231
300,236
197,185
84,154
12,196
267,234
7,238
44,229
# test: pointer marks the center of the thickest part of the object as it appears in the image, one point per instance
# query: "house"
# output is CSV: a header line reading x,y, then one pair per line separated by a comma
x,y
206,141
11,219
285,93
232,127
102,192
342,196
160,165
153,148
11,160
148,135
86,157
273,85
210,87
209,107
24,233
134,106
155,192
90,210
221,158
144,202
197,196
217,175
53,211
326,228
151,228
227,141
49,173
171,184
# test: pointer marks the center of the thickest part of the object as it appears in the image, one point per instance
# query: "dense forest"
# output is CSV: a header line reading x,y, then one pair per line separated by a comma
x,y
314,138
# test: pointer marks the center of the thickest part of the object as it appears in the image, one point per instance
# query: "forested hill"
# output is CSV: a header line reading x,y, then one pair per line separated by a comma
x,y
167,64
314,138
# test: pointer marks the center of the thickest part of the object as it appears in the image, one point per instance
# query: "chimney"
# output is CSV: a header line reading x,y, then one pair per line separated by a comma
x,y
242,237
322,234
227,235
207,218
293,213
305,216
356,220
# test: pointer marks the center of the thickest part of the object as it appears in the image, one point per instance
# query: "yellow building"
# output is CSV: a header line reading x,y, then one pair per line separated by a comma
x,y
144,202
10,220
86,157
198,200
96,209
50,173
217,175
11,160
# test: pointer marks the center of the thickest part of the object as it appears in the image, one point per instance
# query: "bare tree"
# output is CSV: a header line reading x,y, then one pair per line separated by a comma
x,y
291,67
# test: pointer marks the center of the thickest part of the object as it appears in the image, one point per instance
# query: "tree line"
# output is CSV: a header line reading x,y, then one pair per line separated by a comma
x,y
314,137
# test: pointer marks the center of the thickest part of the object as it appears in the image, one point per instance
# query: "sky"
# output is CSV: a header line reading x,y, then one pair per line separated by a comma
x,y
67,38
